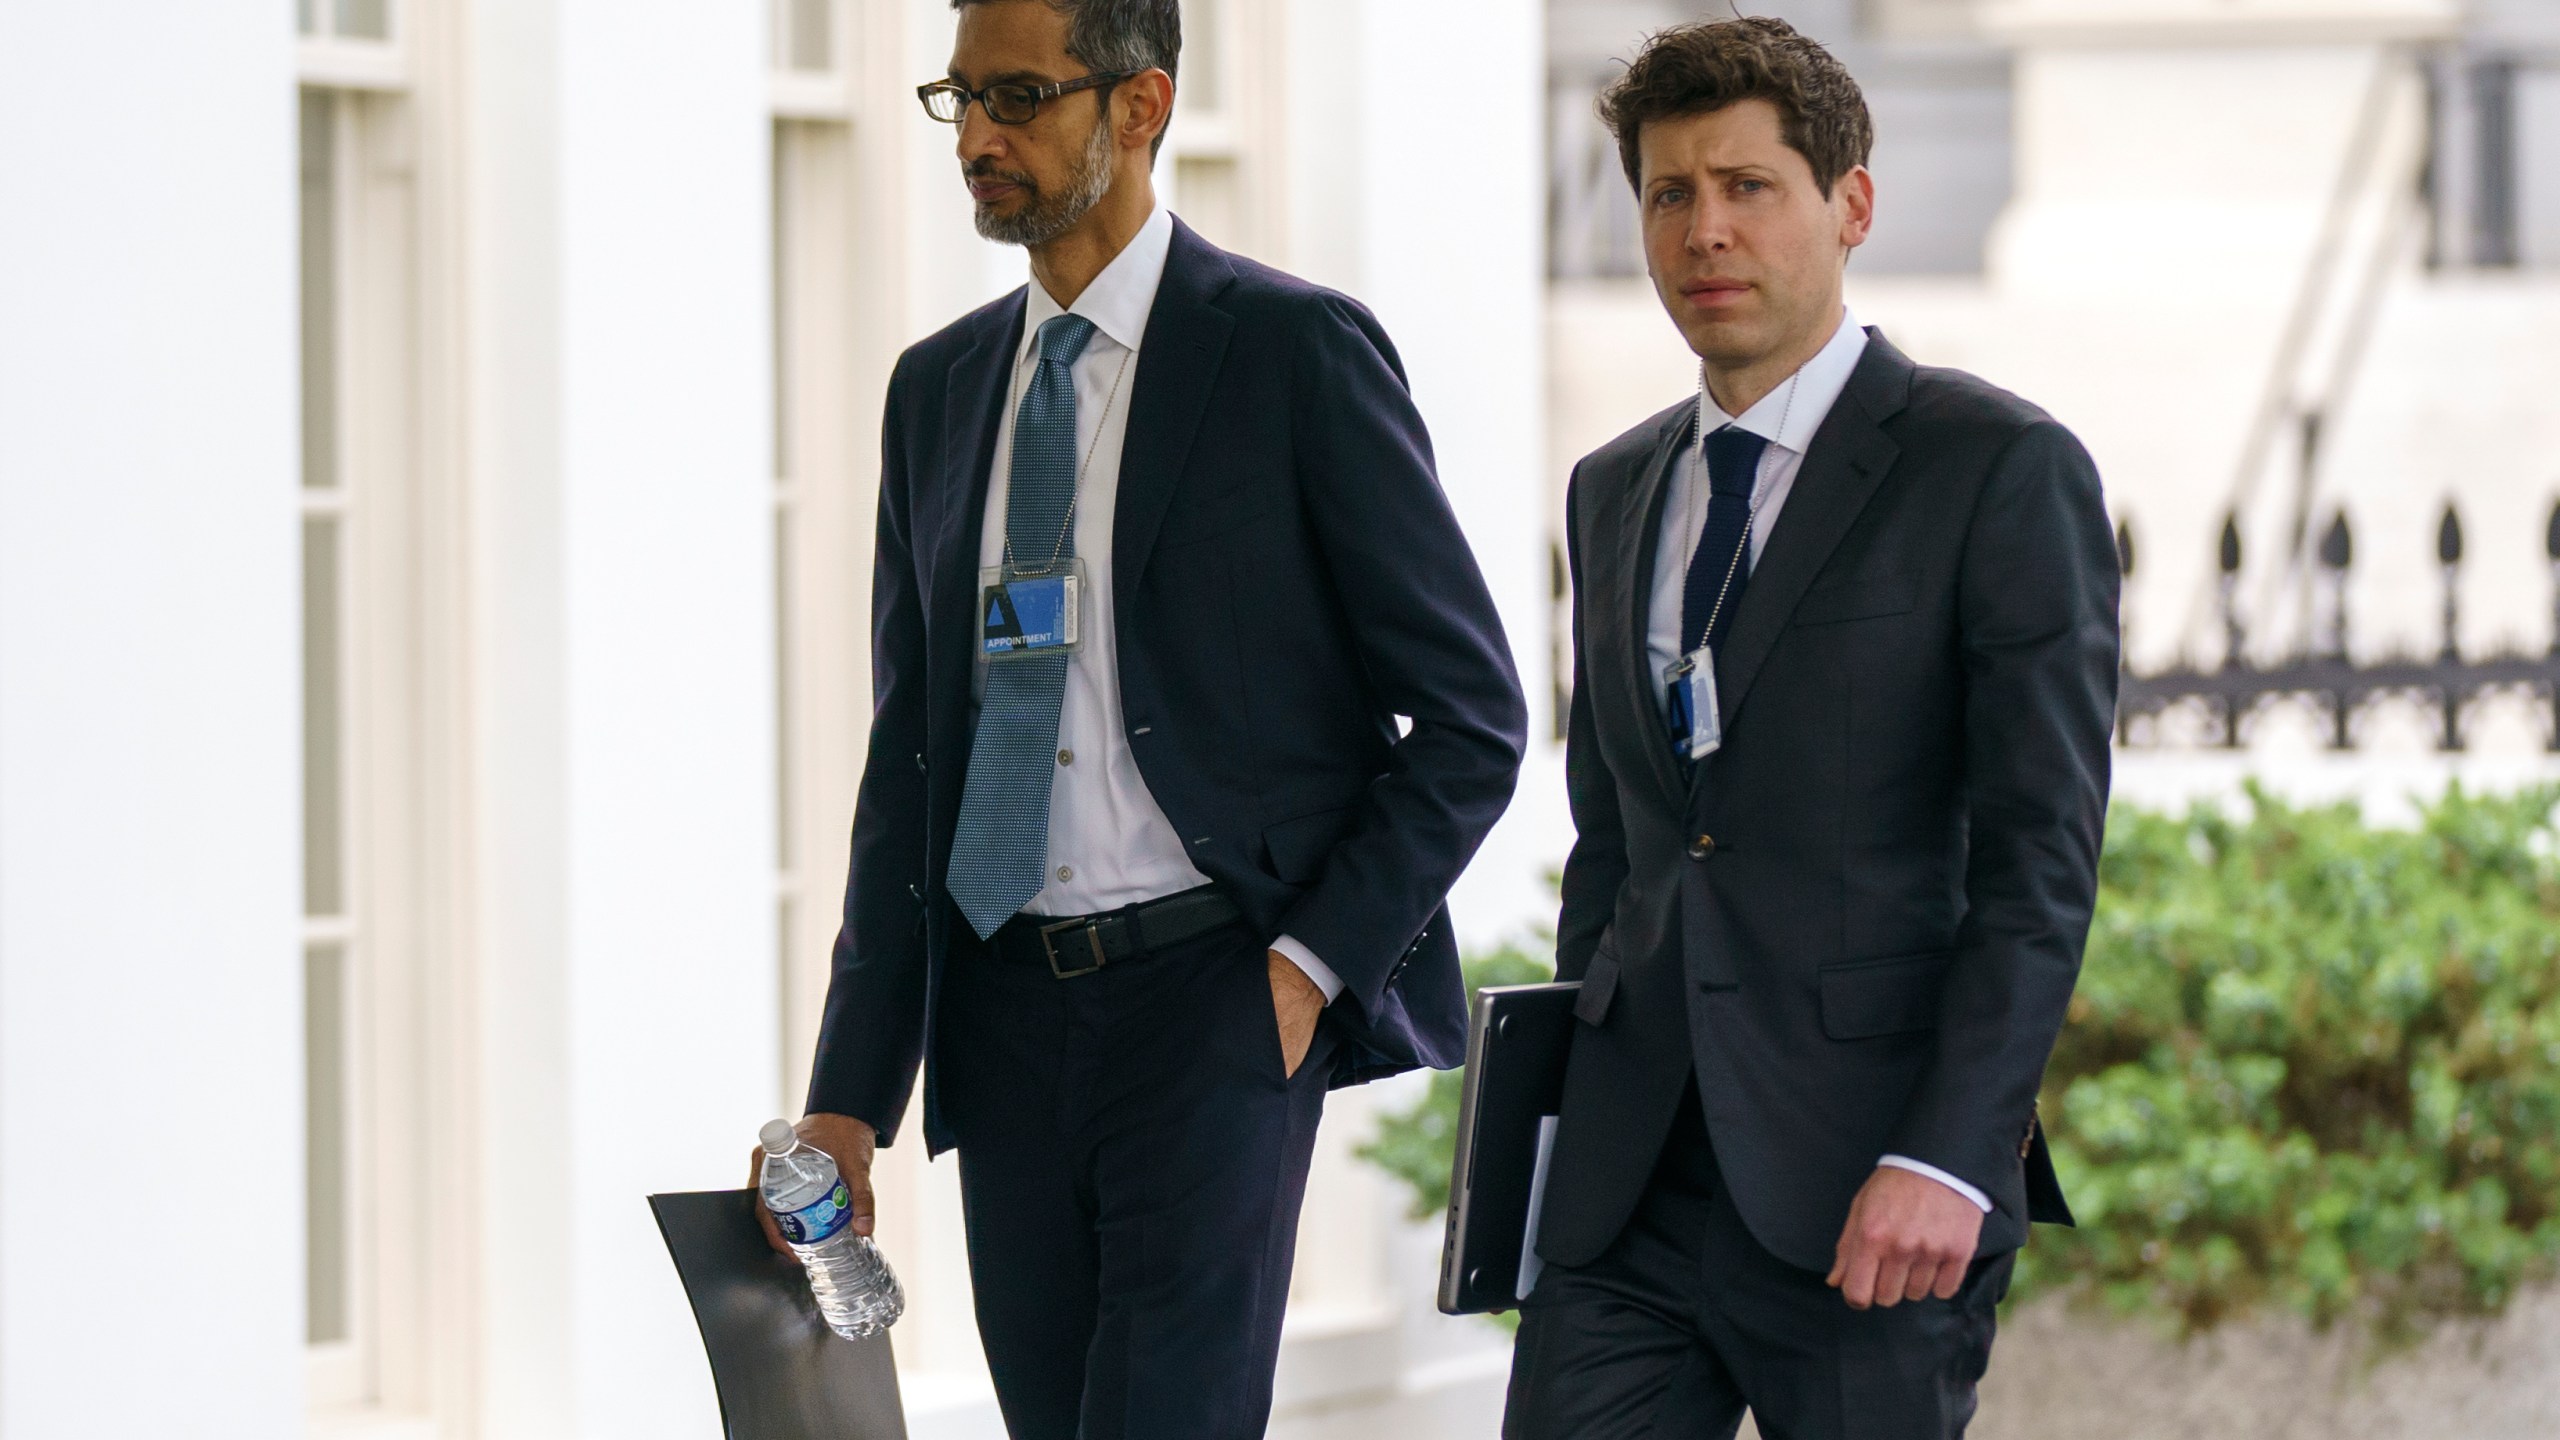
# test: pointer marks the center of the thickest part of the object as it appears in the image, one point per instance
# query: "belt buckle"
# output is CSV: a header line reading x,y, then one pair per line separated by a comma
x,y
1093,938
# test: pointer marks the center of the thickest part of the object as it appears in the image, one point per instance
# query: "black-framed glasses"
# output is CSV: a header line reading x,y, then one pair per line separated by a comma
x,y
1005,104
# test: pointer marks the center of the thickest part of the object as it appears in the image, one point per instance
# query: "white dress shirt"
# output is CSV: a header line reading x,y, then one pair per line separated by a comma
x,y
1787,418
1110,844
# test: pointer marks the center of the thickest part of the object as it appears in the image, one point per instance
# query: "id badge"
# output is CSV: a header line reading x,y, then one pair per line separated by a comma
x,y
1024,614
1689,687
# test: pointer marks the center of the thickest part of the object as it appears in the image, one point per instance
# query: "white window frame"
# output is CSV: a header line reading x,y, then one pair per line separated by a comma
x,y
801,94
821,568
1241,135
400,670
323,60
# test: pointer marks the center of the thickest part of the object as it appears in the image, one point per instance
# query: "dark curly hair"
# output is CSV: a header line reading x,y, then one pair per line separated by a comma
x,y
1694,69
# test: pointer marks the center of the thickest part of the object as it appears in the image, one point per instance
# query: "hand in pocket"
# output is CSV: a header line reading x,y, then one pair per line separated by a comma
x,y
1296,1004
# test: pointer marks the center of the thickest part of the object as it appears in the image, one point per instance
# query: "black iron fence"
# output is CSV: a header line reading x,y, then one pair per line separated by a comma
x,y
2321,669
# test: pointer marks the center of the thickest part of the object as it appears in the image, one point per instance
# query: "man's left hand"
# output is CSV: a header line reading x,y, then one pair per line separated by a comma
x,y
1297,1004
1908,1238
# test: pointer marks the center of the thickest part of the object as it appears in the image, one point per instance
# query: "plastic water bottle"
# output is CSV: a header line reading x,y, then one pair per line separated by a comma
x,y
810,1201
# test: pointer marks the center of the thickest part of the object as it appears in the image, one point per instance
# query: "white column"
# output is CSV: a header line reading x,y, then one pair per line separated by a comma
x,y
150,972
622,401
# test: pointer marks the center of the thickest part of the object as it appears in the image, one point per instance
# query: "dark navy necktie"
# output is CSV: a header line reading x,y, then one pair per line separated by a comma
x,y
1733,464
1000,858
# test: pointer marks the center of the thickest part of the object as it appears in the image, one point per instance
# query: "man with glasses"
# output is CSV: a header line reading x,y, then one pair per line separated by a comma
x,y
1143,860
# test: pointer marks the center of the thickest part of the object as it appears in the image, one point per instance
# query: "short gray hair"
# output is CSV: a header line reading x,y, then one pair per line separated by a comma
x,y
1114,35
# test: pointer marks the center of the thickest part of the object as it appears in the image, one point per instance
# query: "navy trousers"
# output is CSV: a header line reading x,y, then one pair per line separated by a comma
x,y
1686,1321
1132,1158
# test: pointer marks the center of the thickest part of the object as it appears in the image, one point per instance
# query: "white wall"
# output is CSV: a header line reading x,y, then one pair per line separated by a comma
x,y
622,363
150,972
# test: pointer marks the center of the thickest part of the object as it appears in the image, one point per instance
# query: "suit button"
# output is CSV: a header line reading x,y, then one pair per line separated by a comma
x,y
1702,847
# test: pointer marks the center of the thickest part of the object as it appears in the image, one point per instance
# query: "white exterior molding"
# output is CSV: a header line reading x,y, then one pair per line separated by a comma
x,y
2191,23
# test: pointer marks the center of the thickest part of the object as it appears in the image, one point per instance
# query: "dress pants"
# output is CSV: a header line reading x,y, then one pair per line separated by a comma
x,y
1132,1158
1686,1321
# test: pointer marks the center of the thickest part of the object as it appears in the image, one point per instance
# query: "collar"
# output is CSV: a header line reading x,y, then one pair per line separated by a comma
x,y
1814,389
1120,298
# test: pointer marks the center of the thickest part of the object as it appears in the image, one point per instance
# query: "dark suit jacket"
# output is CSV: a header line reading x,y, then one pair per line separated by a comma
x,y
1289,579
1858,922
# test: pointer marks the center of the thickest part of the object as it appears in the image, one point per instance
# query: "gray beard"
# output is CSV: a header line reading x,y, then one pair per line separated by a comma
x,y
1047,217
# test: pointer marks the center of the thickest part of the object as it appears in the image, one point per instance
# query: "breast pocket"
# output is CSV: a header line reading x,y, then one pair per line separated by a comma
x,y
1893,996
1857,597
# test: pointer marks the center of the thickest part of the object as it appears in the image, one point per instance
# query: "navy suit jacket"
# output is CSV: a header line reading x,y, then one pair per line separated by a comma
x,y
1290,580
1859,922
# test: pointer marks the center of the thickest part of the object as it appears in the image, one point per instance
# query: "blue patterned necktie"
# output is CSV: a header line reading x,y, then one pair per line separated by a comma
x,y
1000,859
1733,466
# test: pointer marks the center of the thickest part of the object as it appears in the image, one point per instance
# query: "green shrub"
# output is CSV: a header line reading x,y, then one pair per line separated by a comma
x,y
2312,1065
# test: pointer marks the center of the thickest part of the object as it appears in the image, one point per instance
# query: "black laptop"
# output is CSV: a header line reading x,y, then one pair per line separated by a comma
x,y
1517,1040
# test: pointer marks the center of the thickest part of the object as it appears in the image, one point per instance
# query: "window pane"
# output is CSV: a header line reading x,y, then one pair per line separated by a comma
x,y
813,35
364,19
2537,124
786,987
305,21
319,293
325,1154
323,718
782,687
785,462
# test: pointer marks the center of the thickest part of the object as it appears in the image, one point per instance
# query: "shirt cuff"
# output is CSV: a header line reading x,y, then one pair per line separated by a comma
x,y
1321,973
1980,1201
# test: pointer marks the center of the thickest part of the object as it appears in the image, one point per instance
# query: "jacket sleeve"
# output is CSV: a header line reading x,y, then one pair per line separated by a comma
x,y
2036,628
871,1038
1428,635
1596,866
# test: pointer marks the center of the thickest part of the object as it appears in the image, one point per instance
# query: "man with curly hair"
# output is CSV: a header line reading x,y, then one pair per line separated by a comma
x,y
1845,633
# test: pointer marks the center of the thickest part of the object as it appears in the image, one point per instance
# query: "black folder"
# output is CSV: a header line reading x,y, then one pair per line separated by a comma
x,y
781,1373
1517,1040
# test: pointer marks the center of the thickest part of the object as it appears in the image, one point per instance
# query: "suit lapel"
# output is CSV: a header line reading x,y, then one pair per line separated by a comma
x,y
1178,362
973,408
1639,533
1842,468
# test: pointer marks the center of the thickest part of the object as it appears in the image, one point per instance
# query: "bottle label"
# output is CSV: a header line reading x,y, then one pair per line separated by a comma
x,y
819,1220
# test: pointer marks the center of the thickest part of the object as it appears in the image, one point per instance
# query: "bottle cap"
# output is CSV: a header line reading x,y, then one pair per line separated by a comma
x,y
778,1137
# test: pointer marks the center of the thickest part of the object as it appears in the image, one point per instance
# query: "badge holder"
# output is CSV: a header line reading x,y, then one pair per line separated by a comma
x,y
1697,727
1025,614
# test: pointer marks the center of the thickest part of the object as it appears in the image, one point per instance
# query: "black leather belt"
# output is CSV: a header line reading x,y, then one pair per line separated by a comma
x,y
1081,944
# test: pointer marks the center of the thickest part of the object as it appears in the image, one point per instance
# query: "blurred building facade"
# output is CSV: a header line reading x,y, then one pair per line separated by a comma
x,y
2286,264
435,544
436,448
